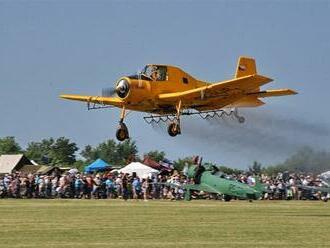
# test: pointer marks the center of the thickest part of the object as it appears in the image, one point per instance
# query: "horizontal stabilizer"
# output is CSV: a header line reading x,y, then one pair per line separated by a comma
x,y
270,93
249,101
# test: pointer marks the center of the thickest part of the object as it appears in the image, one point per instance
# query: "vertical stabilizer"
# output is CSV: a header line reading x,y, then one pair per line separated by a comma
x,y
245,67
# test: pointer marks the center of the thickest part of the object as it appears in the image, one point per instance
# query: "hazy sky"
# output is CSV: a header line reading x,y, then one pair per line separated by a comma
x,y
48,48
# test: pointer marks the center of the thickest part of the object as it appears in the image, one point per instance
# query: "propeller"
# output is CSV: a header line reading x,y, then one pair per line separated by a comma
x,y
121,90
109,92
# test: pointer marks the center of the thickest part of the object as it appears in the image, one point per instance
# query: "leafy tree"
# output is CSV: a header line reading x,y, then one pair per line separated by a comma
x,y
105,151
40,152
88,153
126,150
155,155
54,152
63,151
8,145
222,168
111,152
274,170
80,165
229,171
180,163
256,168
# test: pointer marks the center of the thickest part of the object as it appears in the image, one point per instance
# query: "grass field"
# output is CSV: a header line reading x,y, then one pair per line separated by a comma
x,y
115,223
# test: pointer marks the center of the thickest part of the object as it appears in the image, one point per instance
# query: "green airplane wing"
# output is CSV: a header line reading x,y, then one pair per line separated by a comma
x,y
197,187
202,187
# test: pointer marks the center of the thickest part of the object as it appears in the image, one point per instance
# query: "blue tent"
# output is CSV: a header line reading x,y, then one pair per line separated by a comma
x,y
97,165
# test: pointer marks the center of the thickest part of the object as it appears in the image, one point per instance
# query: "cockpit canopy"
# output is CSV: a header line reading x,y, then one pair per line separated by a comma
x,y
155,72
152,73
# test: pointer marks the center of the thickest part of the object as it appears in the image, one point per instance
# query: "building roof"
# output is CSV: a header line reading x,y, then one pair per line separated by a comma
x,y
9,163
30,168
39,169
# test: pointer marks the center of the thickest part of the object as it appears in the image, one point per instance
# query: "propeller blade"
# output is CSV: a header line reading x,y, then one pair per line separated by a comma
x,y
109,91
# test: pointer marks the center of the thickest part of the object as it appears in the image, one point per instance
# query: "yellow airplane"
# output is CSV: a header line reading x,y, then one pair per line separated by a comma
x,y
166,92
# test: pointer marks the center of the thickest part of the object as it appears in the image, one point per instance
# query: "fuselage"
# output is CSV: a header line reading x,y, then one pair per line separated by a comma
x,y
229,187
203,176
144,91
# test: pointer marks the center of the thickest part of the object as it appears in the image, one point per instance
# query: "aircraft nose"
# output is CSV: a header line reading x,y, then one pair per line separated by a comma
x,y
122,88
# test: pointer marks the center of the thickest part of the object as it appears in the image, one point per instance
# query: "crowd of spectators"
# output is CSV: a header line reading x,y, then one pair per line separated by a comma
x,y
90,186
288,186
284,186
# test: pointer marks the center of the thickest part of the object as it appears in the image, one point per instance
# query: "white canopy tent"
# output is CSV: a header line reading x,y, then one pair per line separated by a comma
x,y
141,170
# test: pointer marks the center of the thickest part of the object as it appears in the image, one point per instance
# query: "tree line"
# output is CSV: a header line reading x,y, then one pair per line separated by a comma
x,y
62,151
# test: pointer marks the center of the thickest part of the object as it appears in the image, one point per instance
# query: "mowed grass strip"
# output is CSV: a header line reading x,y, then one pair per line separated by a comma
x,y
116,223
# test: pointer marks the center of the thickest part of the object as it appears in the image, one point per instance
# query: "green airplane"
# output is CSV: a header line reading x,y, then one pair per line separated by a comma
x,y
206,180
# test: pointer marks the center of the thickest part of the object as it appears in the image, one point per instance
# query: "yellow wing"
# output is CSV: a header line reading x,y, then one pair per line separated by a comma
x,y
117,102
222,89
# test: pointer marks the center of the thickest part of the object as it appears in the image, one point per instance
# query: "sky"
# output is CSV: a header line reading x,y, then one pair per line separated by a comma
x,y
52,47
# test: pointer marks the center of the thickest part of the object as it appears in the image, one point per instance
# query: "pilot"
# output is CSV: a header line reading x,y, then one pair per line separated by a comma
x,y
155,73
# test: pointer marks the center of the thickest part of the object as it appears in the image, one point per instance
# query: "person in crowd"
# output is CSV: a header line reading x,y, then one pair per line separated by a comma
x,y
145,189
124,186
136,187
118,185
41,186
89,186
110,187
96,187
78,186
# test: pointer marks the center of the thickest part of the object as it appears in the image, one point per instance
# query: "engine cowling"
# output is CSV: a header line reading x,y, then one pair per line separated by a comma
x,y
133,90
123,88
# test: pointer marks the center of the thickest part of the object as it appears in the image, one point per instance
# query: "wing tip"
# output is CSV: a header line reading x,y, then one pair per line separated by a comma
x,y
293,92
65,96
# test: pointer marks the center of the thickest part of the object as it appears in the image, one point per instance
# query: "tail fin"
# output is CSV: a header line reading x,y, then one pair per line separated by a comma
x,y
245,67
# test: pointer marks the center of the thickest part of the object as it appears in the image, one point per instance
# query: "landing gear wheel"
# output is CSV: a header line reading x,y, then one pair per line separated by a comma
x,y
173,129
122,132
241,119
226,198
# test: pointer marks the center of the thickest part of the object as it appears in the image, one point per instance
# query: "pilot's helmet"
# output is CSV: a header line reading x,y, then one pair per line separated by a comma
x,y
154,68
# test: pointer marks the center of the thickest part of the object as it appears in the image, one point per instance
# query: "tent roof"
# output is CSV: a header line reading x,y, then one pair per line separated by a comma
x,y
98,164
140,169
8,163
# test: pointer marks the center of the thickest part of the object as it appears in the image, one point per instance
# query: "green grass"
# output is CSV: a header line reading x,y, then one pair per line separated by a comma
x,y
202,223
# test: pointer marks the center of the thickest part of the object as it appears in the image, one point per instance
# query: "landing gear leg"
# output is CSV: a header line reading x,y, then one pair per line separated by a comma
x,y
240,119
187,195
226,198
174,127
122,130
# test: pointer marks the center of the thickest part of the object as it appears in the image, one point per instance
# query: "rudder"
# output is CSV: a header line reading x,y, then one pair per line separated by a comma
x,y
245,67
